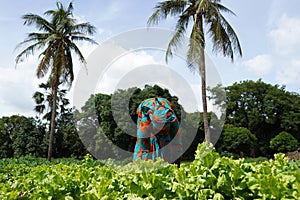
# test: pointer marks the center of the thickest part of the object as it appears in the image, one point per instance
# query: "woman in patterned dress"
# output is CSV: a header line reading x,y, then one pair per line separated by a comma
x,y
158,131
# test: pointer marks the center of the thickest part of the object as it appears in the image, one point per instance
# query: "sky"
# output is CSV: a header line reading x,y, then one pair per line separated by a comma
x,y
269,33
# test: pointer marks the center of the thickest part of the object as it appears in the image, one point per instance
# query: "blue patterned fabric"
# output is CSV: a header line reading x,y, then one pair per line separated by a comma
x,y
158,131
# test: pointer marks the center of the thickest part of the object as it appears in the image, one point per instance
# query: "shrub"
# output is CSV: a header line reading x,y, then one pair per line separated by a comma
x,y
237,140
284,142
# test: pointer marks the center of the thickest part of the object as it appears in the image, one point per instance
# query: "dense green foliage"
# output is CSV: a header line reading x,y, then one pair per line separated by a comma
x,y
20,136
284,142
97,122
209,176
237,140
264,109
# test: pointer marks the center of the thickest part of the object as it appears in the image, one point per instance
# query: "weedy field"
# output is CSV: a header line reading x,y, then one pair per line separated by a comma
x,y
209,176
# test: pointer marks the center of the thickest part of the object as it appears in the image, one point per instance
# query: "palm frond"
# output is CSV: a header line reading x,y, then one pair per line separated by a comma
x,y
67,74
165,8
84,28
233,36
40,23
70,7
38,36
197,39
33,37
77,51
223,37
38,97
82,38
49,12
68,69
45,62
40,108
27,51
196,45
44,86
154,18
224,9
179,34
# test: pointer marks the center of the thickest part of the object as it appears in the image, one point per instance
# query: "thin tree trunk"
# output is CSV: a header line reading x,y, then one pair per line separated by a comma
x,y
52,128
204,97
202,69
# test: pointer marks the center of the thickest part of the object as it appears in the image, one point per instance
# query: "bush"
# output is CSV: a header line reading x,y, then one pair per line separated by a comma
x,y
284,142
237,140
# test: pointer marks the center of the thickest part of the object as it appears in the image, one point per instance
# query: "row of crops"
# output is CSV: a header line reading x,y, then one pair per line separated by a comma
x,y
209,176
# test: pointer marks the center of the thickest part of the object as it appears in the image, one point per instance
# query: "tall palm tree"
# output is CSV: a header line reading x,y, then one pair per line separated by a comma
x,y
199,15
56,41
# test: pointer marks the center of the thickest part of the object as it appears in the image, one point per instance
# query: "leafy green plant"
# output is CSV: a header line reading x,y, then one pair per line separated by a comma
x,y
209,176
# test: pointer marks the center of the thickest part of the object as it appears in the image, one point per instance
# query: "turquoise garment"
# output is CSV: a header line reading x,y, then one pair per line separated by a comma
x,y
158,131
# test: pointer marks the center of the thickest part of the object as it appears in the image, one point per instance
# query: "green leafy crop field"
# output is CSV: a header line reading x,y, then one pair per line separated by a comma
x,y
209,176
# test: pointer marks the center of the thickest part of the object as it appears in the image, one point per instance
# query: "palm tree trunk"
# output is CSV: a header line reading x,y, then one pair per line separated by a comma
x,y
53,115
202,69
204,97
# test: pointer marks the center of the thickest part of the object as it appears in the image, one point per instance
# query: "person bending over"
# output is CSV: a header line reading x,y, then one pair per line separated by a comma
x,y
158,132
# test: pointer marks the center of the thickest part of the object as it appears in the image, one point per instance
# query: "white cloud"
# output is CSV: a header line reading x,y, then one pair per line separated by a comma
x,y
17,87
121,67
286,35
260,64
290,74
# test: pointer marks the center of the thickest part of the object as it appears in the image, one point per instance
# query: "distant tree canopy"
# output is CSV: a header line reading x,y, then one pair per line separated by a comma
x,y
20,136
264,109
258,115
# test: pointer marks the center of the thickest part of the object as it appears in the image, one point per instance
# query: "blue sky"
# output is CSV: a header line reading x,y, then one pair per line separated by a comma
x,y
269,32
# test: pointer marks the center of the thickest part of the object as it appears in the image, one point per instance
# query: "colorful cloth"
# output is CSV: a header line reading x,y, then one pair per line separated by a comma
x,y
158,131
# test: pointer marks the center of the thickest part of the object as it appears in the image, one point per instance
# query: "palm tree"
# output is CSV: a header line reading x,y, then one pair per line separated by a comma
x,y
43,100
56,41
203,15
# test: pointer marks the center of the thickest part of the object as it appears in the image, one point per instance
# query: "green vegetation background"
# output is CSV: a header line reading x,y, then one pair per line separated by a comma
x,y
261,119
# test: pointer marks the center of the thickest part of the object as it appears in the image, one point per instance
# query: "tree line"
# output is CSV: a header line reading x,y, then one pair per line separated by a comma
x,y
57,38
261,119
